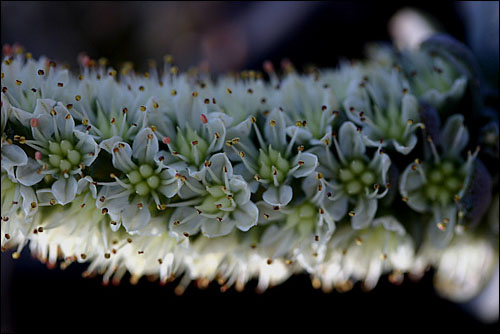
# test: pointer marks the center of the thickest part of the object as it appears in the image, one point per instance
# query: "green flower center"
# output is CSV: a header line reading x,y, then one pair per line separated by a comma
x,y
272,164
190,145
63,156
356,176
444,180
218,201
144,179
303,218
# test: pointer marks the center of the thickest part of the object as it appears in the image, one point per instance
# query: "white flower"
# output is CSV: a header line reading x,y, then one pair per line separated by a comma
x,y
308,108
433,78
61,151
218,203
388,112
148,180
273,164
353,178
438,185
186,127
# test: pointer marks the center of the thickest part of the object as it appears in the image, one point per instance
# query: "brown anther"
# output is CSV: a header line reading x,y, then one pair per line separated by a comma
x,y
41,72
272,122
319,176
413,167
33,205
300,148
83,256
323,108
242,154
276,208
269,261
316,238
40,229
405,90
266,215
173,92
113,120
186,234
60,84
141,88
352,213
359,241
19,82
218,206
107,255
52,201
263,100
207,101
140,252
69,107
143,108
104,211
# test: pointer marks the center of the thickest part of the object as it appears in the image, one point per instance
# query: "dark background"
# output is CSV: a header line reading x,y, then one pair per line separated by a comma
x,y
231,36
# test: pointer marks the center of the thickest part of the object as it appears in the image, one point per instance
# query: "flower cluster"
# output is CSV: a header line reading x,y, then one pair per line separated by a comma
x,y
347,174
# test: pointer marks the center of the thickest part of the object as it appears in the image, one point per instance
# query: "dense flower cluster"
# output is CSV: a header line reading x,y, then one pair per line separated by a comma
x,y
346,173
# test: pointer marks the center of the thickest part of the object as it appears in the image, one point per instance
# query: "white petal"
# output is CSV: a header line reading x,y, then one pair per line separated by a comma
x,y
122,154
64,190
454,136
13,155
217,126
145,146
211,227
44,106
268,214
409,108
29,197
390,224
64,121
134,218
438,238
278,196
108,144
44,196
350,141
276,135
246,216
405,148
219,162
28,174
310,164
190,226
336,209
363,212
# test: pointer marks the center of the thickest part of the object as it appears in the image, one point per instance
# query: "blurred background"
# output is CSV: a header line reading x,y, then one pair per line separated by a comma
x,y
230,36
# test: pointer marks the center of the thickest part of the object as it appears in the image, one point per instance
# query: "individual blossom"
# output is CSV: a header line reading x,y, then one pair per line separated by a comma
x,y
25,80
294,232
273,164
365,255
383,105
309,108
438,184
351,180
146,181
433,78
62,152
189,131
216,204
234,99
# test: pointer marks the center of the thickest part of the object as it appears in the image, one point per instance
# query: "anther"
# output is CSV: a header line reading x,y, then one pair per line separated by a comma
x,y
195,94
143,108
352,213
60,84
41,72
